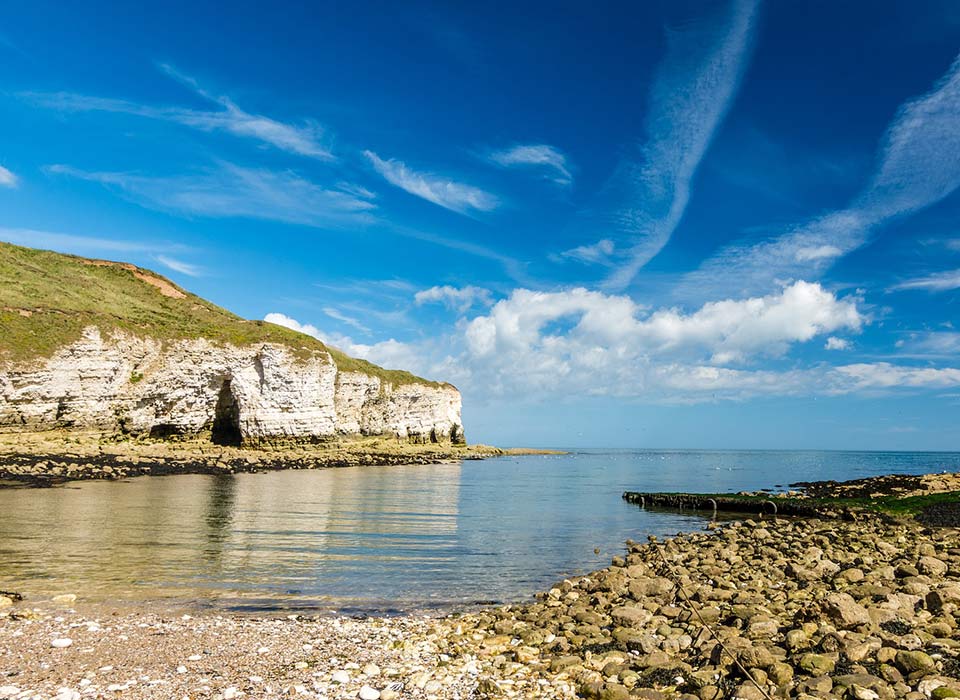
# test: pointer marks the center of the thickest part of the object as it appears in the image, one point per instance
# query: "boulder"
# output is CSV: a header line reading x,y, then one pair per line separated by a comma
x,y
844,611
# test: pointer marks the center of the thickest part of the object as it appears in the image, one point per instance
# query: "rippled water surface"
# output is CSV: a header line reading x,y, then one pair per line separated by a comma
x,y
371,538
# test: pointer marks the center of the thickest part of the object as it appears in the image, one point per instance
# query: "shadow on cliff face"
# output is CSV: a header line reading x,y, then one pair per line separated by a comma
x,y
226,418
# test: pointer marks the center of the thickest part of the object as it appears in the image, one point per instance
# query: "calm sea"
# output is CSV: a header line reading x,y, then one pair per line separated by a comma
x,y
378,539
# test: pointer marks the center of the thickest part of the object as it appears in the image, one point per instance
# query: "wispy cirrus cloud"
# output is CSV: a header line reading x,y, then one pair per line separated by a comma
x,y
442,191
926,344
93,246
597,254
885,375
691,93
459,299
514,268
7,178
936,282
86,245
229,190
918,165
338,315
535,155
306,139
180,266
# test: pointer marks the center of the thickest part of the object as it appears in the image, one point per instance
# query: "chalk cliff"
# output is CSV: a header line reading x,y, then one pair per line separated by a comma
x,y
262,384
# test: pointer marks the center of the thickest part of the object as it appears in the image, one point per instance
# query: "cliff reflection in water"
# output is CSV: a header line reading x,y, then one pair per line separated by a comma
x,y
339,534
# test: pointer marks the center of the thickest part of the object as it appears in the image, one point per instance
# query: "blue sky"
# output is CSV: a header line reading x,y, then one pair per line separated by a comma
x,y
693,224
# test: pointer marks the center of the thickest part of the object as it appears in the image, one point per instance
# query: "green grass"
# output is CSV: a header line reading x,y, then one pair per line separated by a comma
x,y
896,505
47,299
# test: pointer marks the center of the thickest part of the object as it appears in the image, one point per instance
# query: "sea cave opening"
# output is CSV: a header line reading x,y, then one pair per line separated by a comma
x,y
226,418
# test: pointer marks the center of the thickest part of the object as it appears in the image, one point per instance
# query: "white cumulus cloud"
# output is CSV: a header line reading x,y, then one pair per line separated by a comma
x,y
581,329
391,353
542,346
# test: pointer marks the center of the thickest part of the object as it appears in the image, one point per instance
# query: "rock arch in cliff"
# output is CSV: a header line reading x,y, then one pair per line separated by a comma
x,y
226,417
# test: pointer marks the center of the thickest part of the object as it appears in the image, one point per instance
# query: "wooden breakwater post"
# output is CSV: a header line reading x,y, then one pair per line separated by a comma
x,y
728,504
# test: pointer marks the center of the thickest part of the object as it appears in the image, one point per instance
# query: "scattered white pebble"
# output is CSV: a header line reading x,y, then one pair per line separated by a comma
x,y
61,643
181,669
371,670
340,677
230,693
368,693
263,650
194,657
9,691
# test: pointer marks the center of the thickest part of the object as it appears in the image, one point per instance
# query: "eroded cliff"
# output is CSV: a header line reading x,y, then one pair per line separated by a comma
x,y
181,366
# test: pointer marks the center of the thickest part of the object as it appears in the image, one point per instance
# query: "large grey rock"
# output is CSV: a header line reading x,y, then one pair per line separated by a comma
x,y
844,611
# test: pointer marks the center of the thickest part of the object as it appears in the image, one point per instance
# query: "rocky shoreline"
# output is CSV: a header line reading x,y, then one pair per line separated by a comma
x,y
52,458
865,609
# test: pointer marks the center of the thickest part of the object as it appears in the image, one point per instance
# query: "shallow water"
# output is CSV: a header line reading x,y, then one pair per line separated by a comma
x,y
377,538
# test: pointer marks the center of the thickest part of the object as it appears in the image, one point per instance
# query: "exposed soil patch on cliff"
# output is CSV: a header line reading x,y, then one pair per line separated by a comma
x,y
166,288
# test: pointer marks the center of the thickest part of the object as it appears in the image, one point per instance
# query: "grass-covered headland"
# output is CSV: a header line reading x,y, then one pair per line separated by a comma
x,y
47,299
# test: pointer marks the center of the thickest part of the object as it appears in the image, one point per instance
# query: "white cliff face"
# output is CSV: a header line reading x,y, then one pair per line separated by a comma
x,y
259,392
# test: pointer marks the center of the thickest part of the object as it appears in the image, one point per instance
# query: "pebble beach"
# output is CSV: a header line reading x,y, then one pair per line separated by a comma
x,y
779,607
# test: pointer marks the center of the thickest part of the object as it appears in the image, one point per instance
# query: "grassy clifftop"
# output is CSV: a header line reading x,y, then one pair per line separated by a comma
x,y
47,299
